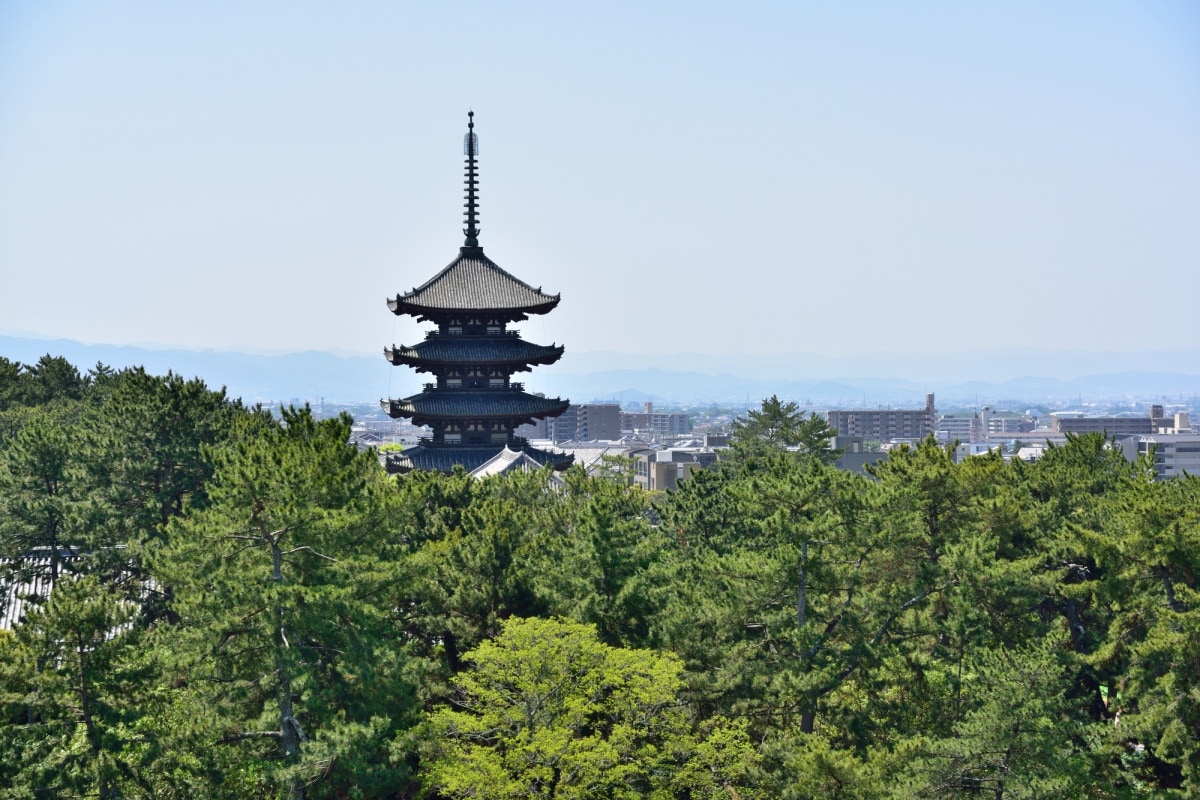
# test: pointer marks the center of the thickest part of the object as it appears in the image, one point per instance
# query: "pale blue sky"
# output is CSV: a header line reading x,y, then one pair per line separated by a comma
x,y
832,178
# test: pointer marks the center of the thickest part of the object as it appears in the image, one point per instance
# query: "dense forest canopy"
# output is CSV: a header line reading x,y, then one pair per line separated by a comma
x,y
219,603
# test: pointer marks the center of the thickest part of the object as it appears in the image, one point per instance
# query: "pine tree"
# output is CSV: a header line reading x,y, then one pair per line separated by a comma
x,y
778,426
74,682
277,585
41,529
1021,736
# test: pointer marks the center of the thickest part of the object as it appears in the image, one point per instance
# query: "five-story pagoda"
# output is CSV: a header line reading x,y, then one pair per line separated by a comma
x,y
473,406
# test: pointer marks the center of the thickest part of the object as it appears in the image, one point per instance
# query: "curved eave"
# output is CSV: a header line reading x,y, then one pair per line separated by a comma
x,y
559,461
448,405
473,283
400,306
414,357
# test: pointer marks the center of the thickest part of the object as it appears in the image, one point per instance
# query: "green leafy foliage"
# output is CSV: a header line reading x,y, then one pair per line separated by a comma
x,y
547,710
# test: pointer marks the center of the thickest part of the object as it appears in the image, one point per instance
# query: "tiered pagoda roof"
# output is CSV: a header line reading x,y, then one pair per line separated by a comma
x,y
436,405
473,282
439,350
474,407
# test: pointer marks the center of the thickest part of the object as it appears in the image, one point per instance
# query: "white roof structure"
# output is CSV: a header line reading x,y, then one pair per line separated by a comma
x,y
590,455
27,580
509,461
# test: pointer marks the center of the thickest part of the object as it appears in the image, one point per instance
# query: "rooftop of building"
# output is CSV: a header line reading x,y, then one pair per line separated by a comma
x,y
444,459
509,460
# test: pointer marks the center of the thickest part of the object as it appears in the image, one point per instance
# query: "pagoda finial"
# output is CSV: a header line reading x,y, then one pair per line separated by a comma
x,y
471,150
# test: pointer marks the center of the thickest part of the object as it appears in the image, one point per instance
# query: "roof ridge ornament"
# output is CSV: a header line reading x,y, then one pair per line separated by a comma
x,y
471,150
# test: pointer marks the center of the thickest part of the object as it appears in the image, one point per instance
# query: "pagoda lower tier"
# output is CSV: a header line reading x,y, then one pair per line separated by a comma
x,y
503,406
470,426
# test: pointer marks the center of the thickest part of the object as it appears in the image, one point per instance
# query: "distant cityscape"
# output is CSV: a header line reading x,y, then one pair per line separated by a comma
x,y
667,444
1140,411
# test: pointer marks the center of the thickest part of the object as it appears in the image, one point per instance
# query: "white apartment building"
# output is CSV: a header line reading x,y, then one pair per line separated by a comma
x,y
1174,453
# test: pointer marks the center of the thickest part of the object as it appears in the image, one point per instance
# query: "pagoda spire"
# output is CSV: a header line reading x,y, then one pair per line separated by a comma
x,y
471,150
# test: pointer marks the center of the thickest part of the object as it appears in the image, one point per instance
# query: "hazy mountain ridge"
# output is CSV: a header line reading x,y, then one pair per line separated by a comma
x,y
871,392
995,366
683,378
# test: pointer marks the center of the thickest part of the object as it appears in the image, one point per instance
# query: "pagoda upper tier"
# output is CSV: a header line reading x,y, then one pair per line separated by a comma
x,y
444,351
476,284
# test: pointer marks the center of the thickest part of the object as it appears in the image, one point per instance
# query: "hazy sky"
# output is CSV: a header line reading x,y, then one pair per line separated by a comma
x,y
833,178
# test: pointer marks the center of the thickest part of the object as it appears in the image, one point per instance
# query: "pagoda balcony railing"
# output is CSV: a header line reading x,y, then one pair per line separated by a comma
x,y
515,386
515,442
434,334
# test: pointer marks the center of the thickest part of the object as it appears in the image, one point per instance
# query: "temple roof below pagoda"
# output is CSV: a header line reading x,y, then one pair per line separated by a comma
x,y
436,405
444,459
506,350
473,282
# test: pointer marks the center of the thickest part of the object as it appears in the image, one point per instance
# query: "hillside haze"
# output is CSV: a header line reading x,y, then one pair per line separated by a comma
x,y
685,378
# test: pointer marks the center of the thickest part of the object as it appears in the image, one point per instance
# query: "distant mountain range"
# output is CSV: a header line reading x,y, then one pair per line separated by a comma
x,y
1013,393
1003,378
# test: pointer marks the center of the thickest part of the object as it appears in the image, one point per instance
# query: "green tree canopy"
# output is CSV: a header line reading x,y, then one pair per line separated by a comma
x,y
549,711
73,688
40,495
780,426
276,584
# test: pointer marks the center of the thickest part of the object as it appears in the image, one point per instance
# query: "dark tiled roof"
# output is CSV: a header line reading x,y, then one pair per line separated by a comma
x,y
544,457
444,459
507,404
472,350
473,282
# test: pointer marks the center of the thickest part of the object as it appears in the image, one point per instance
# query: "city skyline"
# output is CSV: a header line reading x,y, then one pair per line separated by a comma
x,y
764,179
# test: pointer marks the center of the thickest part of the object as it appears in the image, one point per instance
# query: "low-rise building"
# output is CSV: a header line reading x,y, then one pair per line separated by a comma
x,y
1003,426
594,456
1175,453
965,450
882,425
1073,422
980,426
957,428
658,470
657,423
580,422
